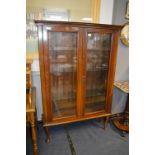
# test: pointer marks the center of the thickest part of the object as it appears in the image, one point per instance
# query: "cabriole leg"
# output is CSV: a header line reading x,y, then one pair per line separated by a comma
x,y
106,120
47,134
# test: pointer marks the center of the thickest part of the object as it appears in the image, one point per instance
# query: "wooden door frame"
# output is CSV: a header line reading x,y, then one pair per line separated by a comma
x,y
45,116
47,78
111,70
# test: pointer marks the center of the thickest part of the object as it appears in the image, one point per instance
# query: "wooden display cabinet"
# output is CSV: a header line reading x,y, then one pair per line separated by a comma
x,y
77,67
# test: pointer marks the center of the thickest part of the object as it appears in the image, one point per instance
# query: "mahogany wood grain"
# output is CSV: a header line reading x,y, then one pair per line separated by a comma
x,y
111,73
47,74
42,72
47,134
79,24
79,75
59,108
72,119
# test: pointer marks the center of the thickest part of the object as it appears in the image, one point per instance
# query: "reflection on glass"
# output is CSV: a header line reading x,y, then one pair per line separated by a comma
x,y
98,50
63,60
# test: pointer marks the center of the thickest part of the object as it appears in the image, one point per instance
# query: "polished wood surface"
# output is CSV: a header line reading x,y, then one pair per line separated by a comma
x,y
122,121
31,117
67,120
31,106
119,123
79,24
28,74
77,66
31,100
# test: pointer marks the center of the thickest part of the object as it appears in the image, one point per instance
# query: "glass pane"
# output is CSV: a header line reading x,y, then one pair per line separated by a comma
x,y
63,71
98,51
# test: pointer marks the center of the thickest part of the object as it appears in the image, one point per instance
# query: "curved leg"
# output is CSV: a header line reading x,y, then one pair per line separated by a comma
x,y
47,134
106,120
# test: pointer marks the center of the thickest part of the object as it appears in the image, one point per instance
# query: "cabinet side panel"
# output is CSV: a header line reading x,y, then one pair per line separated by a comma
x,y
42,77
111,73
47,73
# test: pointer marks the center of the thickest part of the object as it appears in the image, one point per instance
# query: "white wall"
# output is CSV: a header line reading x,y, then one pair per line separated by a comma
x,y
37,84
113,12
106,11
122,67
78,8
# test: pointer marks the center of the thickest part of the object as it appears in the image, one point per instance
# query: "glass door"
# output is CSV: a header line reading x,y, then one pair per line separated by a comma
x,y
62,49
96,70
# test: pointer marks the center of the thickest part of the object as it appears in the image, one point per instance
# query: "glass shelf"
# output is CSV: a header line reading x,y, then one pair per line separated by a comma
x,y
64,107
94,103
57,49
98,49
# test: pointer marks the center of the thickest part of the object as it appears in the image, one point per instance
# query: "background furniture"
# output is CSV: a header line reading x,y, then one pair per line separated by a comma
x,y
77,66
30,106
121,121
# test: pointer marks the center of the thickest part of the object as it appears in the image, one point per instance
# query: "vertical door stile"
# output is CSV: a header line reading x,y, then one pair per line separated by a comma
x,y
83,75
79,73
47,73
42,70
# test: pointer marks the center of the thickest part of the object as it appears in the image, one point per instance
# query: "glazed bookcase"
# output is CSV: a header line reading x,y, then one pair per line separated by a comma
x,y
77,67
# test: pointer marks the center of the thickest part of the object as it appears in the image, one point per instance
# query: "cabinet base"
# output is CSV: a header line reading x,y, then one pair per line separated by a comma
x,y
75,119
